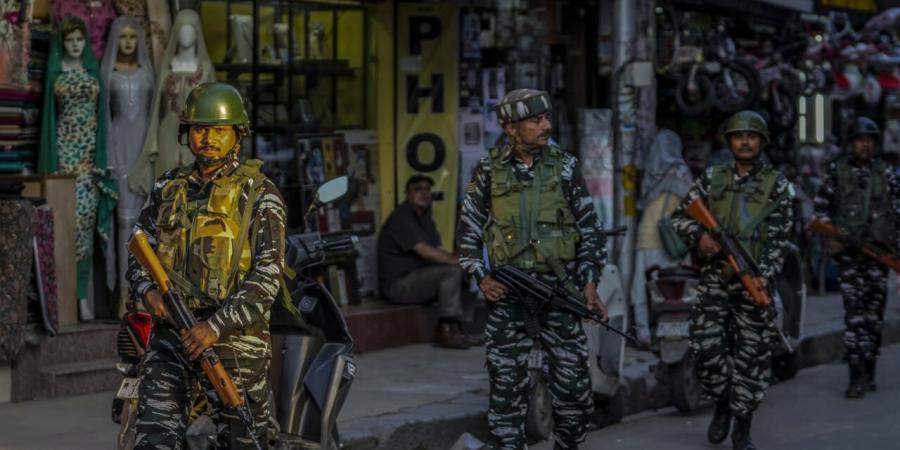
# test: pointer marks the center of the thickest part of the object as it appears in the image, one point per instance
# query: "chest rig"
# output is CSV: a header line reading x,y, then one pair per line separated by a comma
x,y
532,225
863,201
203,242
741,207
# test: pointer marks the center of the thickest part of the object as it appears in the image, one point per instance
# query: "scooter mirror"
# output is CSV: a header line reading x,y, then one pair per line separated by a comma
x,y
332,190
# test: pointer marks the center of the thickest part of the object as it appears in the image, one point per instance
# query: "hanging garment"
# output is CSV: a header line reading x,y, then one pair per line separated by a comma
x,y
45,265
15,43
16,217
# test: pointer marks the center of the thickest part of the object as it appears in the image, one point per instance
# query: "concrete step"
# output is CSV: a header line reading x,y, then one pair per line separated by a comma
x,y
376,325
75,378
81,342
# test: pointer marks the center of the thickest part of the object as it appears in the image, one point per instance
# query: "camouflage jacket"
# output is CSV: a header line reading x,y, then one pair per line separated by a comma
x,y
476,207
779,223
825,202
254,296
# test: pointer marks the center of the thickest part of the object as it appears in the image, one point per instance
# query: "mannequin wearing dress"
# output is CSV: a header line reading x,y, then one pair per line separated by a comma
x,y
128,79
73,142
185,65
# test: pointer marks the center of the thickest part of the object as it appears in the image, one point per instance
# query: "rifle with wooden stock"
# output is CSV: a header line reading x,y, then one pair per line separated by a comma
x,y
873,251
736,255
181,318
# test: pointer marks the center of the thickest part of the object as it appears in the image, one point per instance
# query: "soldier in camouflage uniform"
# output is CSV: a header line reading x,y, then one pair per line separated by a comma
x,y
861,196
218,228
731,336
529,205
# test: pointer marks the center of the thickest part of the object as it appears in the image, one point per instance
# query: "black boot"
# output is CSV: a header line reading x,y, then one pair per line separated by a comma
x,y
855,389
721,423
869,382
740,439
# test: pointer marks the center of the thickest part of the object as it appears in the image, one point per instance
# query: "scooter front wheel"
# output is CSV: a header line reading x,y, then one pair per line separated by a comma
x,y
539,421
610,410
684,385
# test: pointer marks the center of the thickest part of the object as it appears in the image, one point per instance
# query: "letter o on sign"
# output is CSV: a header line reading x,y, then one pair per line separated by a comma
x,y
412,152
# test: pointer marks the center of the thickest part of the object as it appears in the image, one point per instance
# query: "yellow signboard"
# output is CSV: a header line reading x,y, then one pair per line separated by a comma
x,y
426,90
858,5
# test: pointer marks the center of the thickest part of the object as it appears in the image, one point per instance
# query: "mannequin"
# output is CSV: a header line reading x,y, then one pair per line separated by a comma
x,y
73,142
128,80
97,15
184,65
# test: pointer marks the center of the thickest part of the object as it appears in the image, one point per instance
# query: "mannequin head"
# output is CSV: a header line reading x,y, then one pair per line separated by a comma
x,y
187,36
74,37
128,41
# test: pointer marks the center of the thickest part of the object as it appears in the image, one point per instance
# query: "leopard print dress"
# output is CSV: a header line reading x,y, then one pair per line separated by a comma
x,y
77,93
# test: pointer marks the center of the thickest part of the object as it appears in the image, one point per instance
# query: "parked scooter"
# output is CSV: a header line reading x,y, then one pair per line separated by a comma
x,y
606,357
312,368
671,293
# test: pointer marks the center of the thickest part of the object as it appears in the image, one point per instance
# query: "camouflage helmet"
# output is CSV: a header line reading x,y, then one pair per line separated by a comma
x,y
863,126
748,121
215,104
522,104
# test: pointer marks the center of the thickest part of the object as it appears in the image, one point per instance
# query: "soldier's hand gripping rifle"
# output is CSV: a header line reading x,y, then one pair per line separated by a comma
x,y
735,254
873,251
543,293
182,319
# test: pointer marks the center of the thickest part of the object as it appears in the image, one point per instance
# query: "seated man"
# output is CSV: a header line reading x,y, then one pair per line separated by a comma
x,y
413,269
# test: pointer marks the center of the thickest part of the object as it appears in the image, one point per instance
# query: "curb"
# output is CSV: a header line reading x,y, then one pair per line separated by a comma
x,y
437,426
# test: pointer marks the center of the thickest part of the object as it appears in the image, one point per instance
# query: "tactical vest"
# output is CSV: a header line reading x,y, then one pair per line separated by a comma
x,y
531,225
863,203
205,243
741,208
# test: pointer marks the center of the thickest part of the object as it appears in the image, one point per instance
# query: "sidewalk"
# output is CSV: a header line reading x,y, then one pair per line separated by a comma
x,y
422,397
418,397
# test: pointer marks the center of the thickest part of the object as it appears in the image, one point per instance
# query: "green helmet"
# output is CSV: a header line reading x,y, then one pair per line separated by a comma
x,y
748,121
522,104
863,126
215,104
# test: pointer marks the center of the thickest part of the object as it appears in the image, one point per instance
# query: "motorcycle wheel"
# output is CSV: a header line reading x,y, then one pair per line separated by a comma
x,y
610,410
684,385
743,91
539,421
697,103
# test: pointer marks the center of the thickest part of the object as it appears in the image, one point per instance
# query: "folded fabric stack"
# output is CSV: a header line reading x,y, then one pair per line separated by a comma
x,y
20,110
19,122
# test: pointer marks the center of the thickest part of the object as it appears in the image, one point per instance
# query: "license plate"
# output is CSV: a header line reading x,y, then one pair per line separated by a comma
x,y
673,329
128,389
536,360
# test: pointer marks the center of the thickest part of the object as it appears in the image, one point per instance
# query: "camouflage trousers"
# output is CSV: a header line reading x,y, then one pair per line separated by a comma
x,y
864,286
732,339
167,391
565,349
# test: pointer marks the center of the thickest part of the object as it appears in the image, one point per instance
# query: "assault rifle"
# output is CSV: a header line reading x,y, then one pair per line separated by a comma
x,y
873,251
182,319
545,294
735,254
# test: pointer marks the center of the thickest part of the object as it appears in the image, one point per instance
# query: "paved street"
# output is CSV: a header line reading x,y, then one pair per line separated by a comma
x,y
806,413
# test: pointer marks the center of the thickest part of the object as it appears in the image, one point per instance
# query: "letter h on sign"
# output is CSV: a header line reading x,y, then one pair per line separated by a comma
x,y
414,93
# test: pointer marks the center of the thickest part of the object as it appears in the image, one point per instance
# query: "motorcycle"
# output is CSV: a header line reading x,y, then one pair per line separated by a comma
x,y
312,367
606,361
